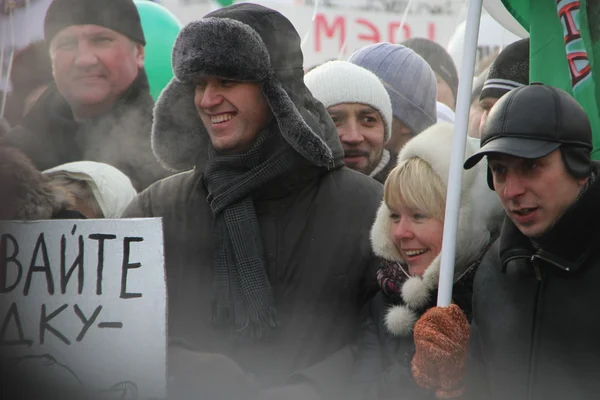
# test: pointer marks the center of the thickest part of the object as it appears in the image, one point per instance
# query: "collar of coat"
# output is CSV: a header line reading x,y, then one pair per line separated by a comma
x,y
568,243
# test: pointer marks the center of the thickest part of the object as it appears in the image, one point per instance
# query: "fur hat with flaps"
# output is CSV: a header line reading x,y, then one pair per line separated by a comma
x,y
480,212
247,43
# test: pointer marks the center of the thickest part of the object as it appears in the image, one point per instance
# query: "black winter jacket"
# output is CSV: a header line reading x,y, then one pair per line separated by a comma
x,y
536,327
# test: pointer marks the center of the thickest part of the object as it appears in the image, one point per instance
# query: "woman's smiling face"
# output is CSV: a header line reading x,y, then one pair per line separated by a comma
x,y
417,236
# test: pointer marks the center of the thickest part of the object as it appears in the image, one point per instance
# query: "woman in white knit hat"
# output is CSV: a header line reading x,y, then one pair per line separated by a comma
x,y
362,112
407,234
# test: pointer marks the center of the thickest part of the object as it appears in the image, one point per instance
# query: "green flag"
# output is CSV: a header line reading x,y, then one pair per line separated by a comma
x,y
565,49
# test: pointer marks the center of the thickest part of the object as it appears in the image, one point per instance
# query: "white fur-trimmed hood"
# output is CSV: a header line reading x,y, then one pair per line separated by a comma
x,y
480,211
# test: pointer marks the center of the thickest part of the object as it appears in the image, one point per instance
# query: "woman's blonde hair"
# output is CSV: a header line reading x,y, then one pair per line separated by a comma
x,y
80,189
414,184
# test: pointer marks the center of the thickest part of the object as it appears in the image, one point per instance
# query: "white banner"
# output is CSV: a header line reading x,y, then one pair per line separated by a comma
x,y
337,33
84,302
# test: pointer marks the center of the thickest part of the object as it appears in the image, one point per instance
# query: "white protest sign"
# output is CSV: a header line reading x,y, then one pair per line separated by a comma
x,y
337,33
86,300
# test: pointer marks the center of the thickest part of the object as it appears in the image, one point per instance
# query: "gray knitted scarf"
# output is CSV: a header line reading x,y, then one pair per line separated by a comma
x,y
243,295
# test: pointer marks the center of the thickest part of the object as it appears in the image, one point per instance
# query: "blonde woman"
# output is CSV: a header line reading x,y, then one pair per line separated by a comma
x,y
407,234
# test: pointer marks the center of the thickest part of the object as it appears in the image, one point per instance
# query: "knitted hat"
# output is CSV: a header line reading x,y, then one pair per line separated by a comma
x,y
119,15
337,82
408,78
438,59
509,70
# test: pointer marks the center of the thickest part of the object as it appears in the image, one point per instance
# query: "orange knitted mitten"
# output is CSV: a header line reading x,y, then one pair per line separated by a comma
x,y
441,340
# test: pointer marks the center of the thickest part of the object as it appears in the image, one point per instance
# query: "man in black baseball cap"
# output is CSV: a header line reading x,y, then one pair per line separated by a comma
x,y
534,332
99,107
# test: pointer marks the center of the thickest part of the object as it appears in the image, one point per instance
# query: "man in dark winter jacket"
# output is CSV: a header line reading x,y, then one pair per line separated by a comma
x,y
99,108
535,333
267,238
362,112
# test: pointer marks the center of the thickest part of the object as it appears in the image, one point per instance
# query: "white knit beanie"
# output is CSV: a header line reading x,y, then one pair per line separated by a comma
x,y
338,82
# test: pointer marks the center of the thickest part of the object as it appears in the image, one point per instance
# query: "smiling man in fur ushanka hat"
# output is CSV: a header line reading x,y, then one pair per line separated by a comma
x,y
267,236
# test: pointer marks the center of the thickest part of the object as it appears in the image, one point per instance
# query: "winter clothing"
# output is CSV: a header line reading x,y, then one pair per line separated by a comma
x,y
386,164
50,136
119,15
478,83
27,194
270,216
438,59
475,222
338,82
535,333
204,48
509,70
112,189
281,83
441,341
529,123
383,367
408,78
238,260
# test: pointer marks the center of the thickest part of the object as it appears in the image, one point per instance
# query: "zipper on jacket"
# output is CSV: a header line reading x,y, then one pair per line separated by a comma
x,y
536,270
549,261
536,324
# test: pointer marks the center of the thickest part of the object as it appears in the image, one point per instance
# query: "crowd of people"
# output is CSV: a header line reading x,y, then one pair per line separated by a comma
x,y
303,213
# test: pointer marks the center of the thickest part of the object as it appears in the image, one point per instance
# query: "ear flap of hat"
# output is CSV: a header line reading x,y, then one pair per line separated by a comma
x,y
179,138
293,124
381,240
577,161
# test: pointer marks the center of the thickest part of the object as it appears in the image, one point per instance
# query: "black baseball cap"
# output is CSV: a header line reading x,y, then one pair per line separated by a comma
x,y
531,122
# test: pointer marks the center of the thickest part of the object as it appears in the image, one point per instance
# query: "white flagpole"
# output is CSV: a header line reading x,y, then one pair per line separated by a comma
x,y
458,153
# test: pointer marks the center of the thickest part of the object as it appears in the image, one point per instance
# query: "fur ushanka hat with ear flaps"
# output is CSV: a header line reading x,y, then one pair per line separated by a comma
x,y
247,43
480,213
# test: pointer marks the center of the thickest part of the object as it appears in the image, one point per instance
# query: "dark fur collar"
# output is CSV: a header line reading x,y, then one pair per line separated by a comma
x,y
569,241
